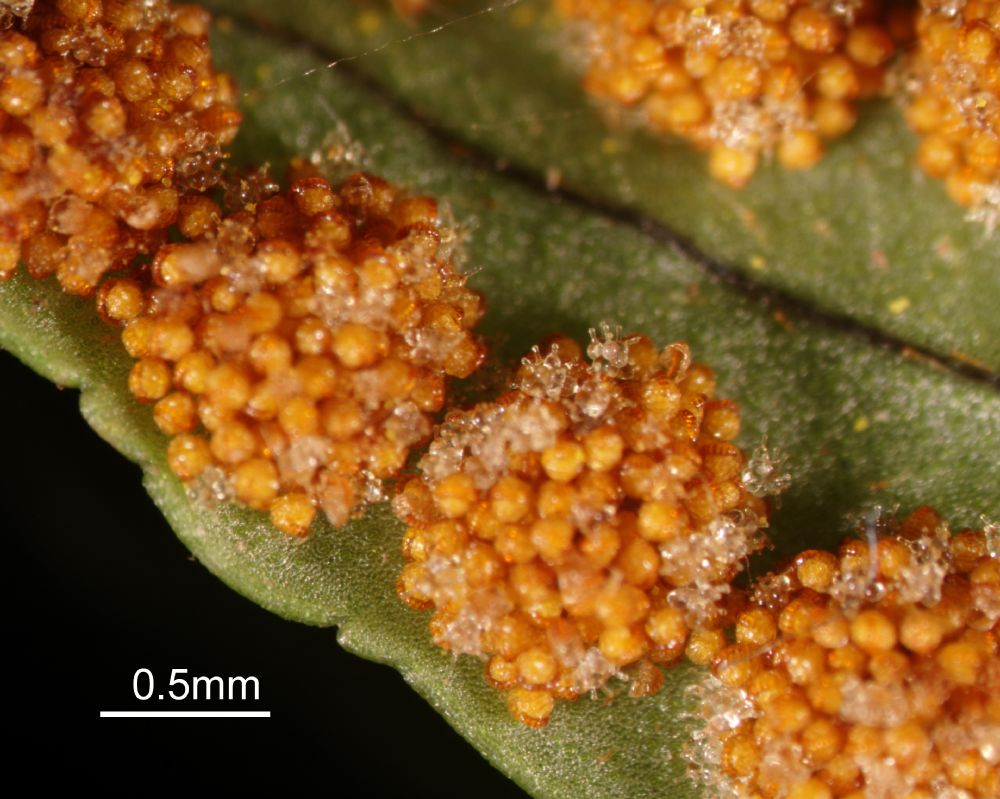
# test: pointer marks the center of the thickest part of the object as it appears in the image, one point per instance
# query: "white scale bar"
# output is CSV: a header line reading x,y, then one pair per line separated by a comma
x,y
185,714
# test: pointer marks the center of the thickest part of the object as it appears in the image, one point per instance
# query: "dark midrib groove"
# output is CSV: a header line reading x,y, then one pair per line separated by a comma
x,y
474,154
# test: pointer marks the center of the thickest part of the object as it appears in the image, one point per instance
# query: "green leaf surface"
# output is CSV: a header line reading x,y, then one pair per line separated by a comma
x,y
860,422
864,235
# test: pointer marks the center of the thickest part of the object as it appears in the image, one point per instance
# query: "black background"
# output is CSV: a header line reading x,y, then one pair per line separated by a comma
x,y
98,586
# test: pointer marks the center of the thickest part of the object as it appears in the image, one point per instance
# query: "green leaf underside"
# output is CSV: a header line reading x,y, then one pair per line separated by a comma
x,y
863,235
860,423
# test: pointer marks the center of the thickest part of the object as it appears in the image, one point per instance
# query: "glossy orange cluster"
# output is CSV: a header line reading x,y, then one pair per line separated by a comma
x,y
585,525
109,112
295,345
296,348
867,674
955,101
740,78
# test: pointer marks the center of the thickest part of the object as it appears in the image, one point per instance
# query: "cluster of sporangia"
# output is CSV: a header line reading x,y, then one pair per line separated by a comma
x,y
870,674
109,113
295,345
955,100
586,525
297,348
746,78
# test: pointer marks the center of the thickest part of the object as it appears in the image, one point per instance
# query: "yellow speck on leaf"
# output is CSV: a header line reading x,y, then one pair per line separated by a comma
x,y
899,305
369,22
861,424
